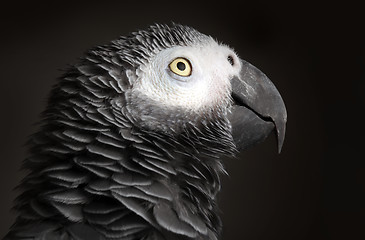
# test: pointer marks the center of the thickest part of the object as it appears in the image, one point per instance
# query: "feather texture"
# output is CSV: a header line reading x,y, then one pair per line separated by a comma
x,y
99,173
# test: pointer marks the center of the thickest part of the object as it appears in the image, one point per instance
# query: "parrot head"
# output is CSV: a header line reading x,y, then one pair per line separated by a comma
x,y
181,82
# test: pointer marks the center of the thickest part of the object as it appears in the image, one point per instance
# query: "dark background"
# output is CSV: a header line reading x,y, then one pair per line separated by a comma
x,y
315,55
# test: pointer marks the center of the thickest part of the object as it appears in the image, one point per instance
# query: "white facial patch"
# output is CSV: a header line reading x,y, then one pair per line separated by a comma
x,y
208,84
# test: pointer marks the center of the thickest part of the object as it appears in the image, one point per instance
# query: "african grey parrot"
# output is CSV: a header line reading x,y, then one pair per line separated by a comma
x,y
129,146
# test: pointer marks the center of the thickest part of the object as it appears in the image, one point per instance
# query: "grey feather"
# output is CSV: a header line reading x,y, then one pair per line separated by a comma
x,y
193,220
161,165
72,196
105,219
101,185
135,206
129,179
99,170
72,212
105,151
110,141
131,192
151,168
94,160
102,207
156,189
71,176
168,220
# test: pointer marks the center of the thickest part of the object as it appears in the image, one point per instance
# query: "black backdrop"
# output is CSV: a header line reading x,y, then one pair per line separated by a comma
x,y
315,55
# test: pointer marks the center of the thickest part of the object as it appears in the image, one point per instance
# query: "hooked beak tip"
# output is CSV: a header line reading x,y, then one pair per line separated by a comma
x,y
280,126
280,137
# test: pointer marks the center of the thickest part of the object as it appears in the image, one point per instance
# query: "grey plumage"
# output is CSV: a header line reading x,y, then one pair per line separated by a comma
x,y
110,164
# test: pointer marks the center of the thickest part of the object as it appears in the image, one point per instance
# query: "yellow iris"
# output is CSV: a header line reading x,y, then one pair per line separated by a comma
x,y
181,67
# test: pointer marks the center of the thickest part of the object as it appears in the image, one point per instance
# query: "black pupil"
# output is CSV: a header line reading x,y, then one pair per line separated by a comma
x,y
230,60
181,66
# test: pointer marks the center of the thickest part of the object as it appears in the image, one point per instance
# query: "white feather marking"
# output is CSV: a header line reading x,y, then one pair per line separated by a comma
x,y
207,86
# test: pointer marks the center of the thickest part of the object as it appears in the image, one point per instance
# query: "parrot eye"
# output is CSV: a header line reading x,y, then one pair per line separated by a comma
x,y
181,67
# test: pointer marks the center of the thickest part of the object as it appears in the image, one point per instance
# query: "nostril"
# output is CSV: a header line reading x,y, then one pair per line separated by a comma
x,y
230,60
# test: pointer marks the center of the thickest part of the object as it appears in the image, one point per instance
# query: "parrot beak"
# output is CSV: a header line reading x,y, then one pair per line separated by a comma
x,y
258,108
